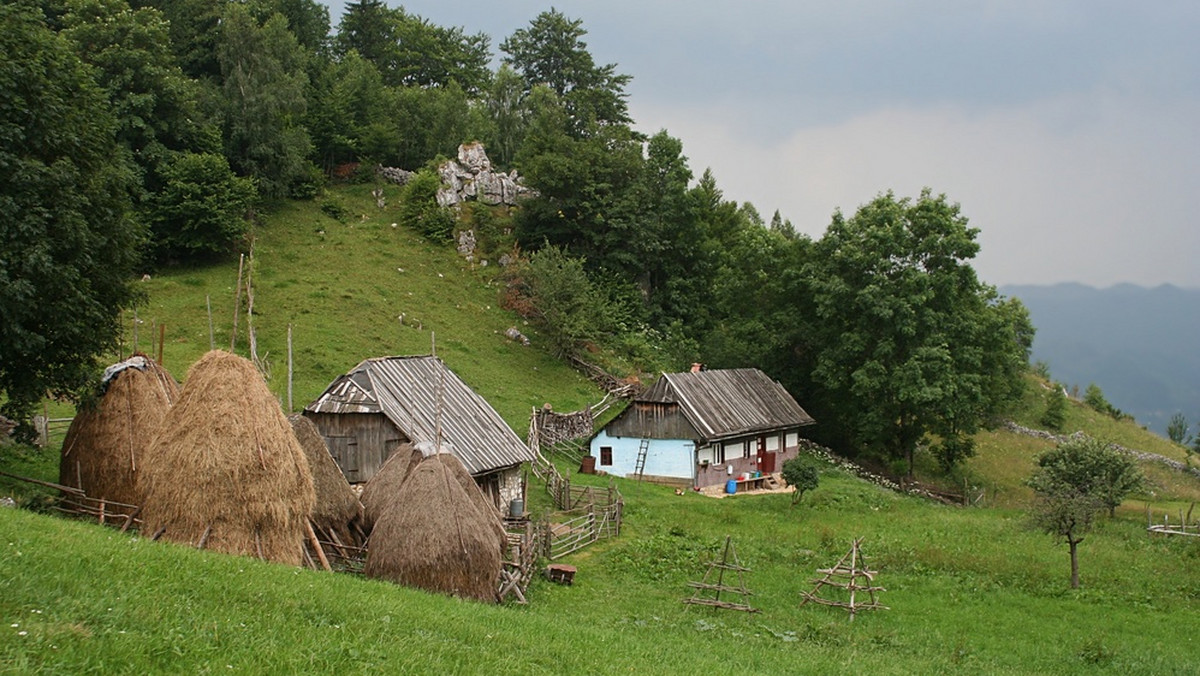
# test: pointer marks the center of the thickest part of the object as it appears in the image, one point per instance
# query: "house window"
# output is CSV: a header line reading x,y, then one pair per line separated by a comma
x,y
720,449
606,455
746,449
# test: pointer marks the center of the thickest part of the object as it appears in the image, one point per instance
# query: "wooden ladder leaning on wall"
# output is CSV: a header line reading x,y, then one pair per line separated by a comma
x,y
643,450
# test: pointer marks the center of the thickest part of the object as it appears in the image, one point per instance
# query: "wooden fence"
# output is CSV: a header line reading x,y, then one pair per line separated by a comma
x,y
75,502
590,523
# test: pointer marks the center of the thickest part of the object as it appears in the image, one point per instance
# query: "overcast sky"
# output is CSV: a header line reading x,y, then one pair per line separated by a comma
x,y
1066,129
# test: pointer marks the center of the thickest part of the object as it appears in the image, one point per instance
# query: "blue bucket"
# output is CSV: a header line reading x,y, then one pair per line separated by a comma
x,y
731,486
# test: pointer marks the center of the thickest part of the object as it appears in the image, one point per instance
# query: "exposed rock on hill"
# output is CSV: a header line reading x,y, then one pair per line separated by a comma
x,y
471,177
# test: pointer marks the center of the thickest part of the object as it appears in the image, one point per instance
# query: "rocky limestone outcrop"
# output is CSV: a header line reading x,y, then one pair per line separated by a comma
x,y
471,177
395,175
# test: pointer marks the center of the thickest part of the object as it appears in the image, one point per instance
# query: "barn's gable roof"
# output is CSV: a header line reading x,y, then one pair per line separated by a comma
x,y
408,390
726,403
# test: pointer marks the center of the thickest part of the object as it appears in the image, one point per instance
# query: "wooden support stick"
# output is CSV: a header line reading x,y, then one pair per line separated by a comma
x,y
159,534
337,544
162,337
312,537
204,537
129,518
258,546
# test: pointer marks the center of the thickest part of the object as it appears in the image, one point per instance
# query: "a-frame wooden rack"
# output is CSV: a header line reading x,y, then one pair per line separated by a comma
x,y
850,574
705,588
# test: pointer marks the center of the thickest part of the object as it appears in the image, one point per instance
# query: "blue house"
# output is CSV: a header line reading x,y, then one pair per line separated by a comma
x,y
702,427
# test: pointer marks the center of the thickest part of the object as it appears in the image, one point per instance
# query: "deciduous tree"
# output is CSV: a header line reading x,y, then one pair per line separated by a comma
x,y
898,338
67,245
264,104
551,52
1075,481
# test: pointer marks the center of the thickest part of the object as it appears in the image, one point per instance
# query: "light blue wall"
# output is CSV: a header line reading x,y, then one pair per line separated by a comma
x,y
665,457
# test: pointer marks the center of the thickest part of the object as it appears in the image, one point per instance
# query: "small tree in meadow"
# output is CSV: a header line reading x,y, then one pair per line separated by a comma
x,y
1075,481
1055,415
1093,396
801,475
1178,430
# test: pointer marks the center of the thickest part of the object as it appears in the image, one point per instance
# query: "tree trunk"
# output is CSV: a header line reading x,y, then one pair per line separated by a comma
x,y
1074,544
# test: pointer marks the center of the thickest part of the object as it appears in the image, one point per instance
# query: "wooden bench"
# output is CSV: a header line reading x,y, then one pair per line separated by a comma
x,y
753,483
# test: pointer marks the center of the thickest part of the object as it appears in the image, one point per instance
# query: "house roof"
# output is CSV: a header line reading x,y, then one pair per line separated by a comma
x,y
726,403
419,395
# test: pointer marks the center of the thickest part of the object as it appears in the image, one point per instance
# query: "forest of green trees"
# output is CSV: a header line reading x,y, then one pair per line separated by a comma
x,y
137,134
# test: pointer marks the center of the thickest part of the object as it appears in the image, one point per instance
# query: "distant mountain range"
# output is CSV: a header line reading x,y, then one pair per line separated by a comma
x,y
1139,345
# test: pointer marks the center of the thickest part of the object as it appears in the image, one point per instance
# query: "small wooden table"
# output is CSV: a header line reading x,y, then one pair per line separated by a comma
x,y
560,573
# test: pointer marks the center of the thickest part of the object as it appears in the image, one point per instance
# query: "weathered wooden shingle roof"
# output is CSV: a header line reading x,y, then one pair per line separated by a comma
x,y
726,403
408,390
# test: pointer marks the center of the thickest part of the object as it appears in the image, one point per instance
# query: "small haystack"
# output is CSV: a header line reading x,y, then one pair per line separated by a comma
x,y
434,537
383,488
226,472
107,442
337,505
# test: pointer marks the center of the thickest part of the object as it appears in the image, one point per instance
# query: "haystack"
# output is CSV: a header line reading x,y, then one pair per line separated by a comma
x,y
383,488
337,506
434,537
226,472
107,442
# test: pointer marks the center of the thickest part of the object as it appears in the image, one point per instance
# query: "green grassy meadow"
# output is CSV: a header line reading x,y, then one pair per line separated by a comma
x,y
971,589
975,590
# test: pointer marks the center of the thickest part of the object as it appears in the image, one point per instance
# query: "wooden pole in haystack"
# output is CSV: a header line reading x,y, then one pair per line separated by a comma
x,y
289,369
162,337
237,302
208,304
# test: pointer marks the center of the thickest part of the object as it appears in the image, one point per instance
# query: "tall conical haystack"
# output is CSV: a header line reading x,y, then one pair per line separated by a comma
x,y
107,442
471,488
226,470
382,488
433,536
337,505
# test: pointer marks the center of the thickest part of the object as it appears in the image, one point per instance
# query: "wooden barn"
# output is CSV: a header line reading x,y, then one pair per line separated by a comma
x,y
702,428
384,402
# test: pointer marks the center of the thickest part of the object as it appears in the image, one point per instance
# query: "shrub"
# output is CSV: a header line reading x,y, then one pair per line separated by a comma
x,y
420,211
802,475
201,209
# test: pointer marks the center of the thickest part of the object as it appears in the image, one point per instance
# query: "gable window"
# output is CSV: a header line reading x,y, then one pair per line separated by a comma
x,y
606,455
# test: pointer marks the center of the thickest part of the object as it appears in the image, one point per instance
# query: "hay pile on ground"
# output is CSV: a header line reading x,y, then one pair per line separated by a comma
x,y
434,537
382,489
226,472
337,506
107,442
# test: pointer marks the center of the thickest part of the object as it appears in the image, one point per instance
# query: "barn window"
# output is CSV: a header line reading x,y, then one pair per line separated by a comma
x,y
720,453
746,449
606,455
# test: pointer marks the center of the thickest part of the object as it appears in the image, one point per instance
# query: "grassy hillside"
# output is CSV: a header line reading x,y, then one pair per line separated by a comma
x,y
344,286
1005,459
968,589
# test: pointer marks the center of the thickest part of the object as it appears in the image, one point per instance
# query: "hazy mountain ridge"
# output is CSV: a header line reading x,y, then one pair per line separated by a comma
x,y
1136,343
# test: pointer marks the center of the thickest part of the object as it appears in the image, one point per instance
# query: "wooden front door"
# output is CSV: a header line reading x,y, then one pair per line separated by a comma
x,y
766,461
